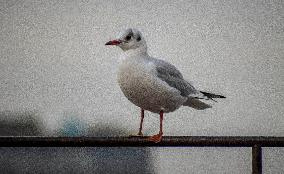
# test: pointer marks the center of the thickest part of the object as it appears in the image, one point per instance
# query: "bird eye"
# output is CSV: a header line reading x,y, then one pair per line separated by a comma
x,y
139,38
127,37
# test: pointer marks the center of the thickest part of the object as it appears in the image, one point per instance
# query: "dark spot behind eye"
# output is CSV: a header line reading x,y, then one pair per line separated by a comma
x,y
128,37
139,38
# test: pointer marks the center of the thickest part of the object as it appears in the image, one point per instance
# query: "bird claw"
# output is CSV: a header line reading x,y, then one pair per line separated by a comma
x,y
156,138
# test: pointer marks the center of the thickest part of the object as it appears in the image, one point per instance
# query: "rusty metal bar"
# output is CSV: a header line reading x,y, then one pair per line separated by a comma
x,y
194,141
256,159
256,142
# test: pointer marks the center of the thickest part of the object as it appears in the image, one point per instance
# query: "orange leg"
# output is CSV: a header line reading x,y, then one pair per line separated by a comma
x,y
157,138
141,123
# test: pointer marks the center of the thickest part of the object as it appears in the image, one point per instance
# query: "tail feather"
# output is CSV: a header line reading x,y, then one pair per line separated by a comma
x,y
196,104
211,96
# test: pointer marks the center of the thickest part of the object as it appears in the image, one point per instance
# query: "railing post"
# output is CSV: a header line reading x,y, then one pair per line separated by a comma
x,y
256,159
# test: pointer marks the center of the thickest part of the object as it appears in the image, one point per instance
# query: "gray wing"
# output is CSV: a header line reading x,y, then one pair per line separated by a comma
x,y
173,78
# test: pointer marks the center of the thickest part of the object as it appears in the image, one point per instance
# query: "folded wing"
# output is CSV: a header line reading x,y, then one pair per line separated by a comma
x,y
174,78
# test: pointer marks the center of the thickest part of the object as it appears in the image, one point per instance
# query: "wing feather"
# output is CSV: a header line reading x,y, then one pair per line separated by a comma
x,y
171,75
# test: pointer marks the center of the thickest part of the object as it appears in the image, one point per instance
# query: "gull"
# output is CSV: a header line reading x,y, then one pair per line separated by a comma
x,y
154,84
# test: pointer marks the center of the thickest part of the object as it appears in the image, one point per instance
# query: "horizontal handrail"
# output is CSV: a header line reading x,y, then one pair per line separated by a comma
x,y
194,141
256,142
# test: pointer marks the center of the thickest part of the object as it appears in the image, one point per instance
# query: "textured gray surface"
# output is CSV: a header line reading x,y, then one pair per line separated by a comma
x,y
119,160
75,160
54,64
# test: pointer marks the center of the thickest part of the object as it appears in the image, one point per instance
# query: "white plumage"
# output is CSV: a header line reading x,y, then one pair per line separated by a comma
x,y
153,84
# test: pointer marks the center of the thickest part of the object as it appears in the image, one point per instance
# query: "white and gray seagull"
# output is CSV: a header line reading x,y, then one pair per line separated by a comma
x,y
153,84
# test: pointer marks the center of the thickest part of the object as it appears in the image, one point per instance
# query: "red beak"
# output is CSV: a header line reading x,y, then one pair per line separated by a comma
x,y
113,42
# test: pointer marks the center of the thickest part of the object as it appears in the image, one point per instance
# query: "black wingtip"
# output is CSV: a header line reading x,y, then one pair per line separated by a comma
x,y
211,96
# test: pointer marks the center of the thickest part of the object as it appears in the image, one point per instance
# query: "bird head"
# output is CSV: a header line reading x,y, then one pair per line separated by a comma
x,y
130,39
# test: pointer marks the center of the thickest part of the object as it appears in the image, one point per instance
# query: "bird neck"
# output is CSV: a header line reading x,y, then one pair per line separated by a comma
x,y
141,51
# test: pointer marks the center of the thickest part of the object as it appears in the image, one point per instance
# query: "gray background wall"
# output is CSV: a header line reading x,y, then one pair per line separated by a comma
x,y
55,67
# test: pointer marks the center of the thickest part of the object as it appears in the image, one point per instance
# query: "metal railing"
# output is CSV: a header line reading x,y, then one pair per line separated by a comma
x,y
256,142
